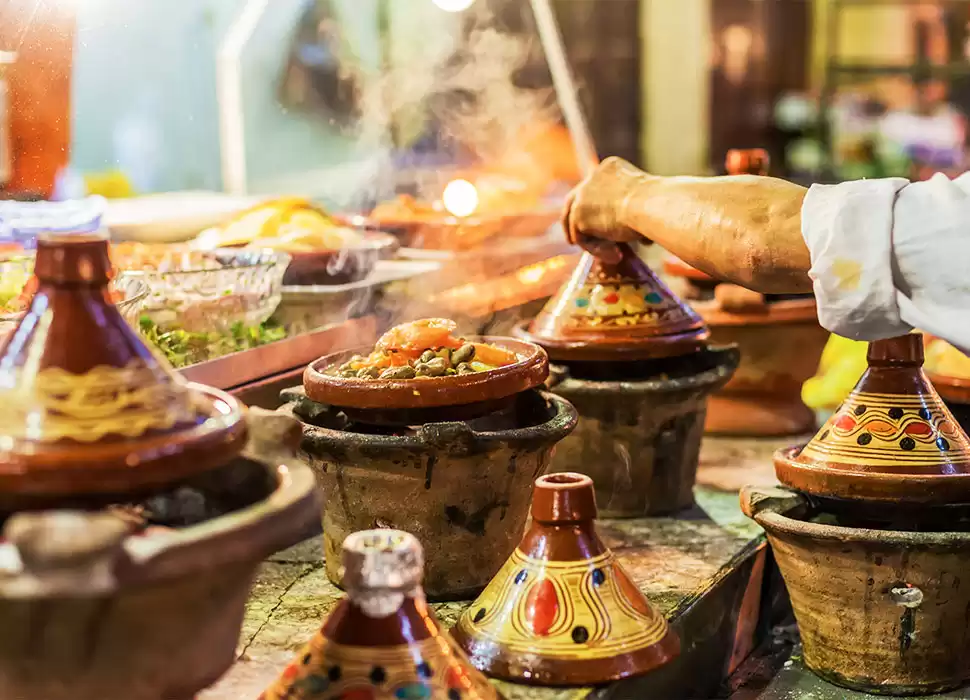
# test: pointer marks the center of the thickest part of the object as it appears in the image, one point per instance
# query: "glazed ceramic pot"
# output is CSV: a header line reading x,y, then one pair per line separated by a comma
x,y
381,642
879,611
92,612
893,442
89,411
948,370
462,488
562,611
640,428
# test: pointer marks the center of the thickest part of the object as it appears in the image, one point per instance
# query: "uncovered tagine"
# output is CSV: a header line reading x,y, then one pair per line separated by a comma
x,y
381,642
562,611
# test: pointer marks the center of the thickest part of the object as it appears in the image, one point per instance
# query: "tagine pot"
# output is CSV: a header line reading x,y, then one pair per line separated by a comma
x,y
92,611
640,428
948,370
462,488
634,360
879,610
562,611
382,641
892,444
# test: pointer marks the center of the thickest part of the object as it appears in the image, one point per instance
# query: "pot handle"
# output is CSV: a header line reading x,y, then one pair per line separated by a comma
x,y
735,299
453,436
274,436
63,552
557,375
758,500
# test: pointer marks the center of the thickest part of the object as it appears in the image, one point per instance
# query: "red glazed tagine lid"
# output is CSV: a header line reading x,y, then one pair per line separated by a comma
x,y
87,409
891,440
616,312
381,642
562,611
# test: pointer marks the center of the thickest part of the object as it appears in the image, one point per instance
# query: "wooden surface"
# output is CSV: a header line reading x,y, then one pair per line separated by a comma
x,y
680,563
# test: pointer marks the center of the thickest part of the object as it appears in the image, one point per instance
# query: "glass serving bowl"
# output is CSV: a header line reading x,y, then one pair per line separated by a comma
x,y
202,291
16,271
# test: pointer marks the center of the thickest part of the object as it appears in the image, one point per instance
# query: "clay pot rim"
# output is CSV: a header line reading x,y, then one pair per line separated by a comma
x,y
728,359
560,424
249,534
445,221
776,313
770,506
936,489
954,389
529,372
228,427
654,347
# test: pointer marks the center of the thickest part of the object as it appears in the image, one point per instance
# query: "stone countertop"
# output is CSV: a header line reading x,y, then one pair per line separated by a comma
x,y
669,558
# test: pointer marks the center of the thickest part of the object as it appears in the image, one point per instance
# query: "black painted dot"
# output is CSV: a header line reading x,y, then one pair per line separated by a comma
x,y
307,659
521,576
942,443
333,673
424,670
896,413
824,435
378,675
925,414
580,634
479,615
860,409
454,694
598,577
907,443
864,439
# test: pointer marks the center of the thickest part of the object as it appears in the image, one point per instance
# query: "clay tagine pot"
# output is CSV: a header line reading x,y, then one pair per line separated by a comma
x,y
88,410
461,487
892,441
948,370
614,313
562,611
879,610
780,340
633,359
382,641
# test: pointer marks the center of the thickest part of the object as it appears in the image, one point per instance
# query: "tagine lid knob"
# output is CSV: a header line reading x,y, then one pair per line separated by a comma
x,y
621,311
892,440
88,409
382,637
562,610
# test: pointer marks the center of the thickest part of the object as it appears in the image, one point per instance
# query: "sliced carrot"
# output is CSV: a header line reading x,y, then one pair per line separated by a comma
x,y
493,355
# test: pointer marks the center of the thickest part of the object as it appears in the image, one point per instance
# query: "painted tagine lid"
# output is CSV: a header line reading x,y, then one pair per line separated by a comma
x,y
87,409
616,312
891,440
381,642
562,611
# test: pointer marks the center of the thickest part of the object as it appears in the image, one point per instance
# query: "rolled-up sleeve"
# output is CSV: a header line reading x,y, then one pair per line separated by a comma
x,y
889,256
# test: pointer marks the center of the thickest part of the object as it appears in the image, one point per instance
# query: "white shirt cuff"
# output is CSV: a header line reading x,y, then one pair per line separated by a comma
x,y
848,229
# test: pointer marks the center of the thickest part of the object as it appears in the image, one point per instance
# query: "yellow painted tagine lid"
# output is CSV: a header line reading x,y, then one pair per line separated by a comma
x,y
562,610
617,311
381,642
892,439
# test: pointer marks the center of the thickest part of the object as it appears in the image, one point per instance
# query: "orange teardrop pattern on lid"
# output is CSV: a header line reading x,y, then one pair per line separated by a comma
x,y
892,439
562,611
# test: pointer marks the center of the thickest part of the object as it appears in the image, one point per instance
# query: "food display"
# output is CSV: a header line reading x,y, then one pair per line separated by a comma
x,y
322,249
424,349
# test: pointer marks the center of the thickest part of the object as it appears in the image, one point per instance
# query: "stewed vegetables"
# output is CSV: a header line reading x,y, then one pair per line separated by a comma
x,y
424,349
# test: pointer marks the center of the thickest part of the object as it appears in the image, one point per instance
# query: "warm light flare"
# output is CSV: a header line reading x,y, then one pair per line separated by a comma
x,y
460,198
453,5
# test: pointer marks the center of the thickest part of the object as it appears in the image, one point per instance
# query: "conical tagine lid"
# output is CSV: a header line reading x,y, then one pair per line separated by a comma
x,y
616,312
562,611
87,409
381,642
892,439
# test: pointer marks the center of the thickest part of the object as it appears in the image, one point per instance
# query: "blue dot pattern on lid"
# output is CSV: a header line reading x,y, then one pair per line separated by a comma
x,y
22,222
582,303
413,691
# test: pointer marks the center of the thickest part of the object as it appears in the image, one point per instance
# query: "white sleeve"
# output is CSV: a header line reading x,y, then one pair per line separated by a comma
x,y
889,256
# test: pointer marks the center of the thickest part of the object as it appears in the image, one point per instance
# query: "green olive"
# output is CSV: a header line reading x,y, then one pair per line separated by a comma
x,y
427,356
368,373
405,372
465,353
464,368
437,366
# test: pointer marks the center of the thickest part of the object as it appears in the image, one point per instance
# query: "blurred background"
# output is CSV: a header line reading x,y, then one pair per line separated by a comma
x,y
250,96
